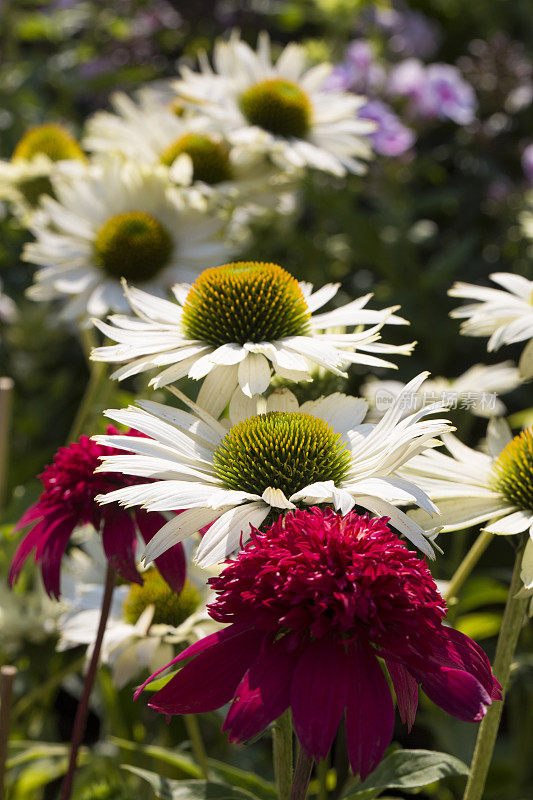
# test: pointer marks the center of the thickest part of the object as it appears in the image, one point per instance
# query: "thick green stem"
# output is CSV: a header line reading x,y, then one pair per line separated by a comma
x,y
195,735
322,769
282,752
302,776
513,617
467,565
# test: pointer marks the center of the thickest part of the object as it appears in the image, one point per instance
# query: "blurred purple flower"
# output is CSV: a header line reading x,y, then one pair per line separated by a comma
x,y
447,95
392,138
437,91
410,32
359,72
527,163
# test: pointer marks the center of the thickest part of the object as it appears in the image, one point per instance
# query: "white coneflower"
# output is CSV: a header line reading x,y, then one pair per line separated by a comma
x,y
494,489
27,176
280,109
231,478
146,622
193,153
505,315
236,323
119,220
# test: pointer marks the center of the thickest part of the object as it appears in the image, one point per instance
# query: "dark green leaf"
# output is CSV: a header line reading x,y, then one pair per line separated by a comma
x,y
167,789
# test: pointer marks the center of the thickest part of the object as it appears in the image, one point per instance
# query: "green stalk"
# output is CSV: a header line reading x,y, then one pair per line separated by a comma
x,y
322,770
513,617
195,735
282,753
467,565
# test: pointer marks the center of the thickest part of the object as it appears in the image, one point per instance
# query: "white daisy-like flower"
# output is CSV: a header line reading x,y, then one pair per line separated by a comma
x,y
505,315
235,324
476,390
494,489
187,146
281,109
235,475
145,623
119,220
27,176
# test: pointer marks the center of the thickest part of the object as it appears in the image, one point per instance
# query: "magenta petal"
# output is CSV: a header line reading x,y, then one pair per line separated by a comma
x,y
172,564
457,692
198,647
464,652
369,710
51,555
120,543
406,690
318,694
32,514
264,692
209,681
24,549
38,538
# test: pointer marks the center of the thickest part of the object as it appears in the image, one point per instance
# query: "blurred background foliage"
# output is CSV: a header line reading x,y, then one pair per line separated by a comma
x,y
448,210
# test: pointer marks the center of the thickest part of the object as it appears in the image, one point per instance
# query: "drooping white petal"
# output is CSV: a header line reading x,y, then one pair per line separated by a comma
x,y
254,374
227,533
217,389
276,498
179,528
516,522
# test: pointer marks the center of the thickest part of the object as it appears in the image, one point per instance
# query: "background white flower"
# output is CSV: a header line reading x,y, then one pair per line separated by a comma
x,y
236,324
506,316
129,648
279,108
119,219
475,390
234,475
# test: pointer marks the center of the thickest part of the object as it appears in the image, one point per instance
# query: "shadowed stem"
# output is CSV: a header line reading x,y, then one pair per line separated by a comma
x,y
83,706
7,676
6,403
467,565
322,769
195,735
97,376
302,776
513,617
282,753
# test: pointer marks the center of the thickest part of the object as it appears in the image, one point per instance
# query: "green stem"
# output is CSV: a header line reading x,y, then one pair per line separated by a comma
x,y
302,776
322,770
195,735
282,753
467,565
513,616
96,381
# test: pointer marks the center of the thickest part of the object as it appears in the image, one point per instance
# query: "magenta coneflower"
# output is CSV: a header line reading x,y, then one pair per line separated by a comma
x,y
312,603
67,501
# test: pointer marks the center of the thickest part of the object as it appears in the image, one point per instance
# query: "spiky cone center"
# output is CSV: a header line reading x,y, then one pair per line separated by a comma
x,y
513,471
278,106
133,245
210,159
243,302
53,141
170,608
282,450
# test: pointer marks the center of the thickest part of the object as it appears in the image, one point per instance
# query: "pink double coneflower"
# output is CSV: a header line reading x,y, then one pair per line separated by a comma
x,y
68,500
320,607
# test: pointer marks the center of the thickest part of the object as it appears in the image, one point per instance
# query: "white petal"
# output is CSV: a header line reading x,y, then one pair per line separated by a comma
x,y
217,389
228,532
179,528
499,435
343,412
254,374
525,364
241,406
276,498
516,522
282,400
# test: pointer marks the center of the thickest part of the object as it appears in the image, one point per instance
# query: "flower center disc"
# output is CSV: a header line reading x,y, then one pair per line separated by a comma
x,y
513,471
278,106
285,450
170,608
210,159
53,141
133,245
245,302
